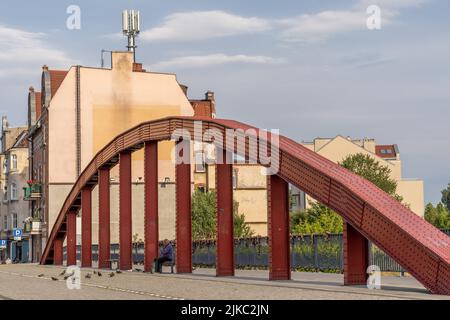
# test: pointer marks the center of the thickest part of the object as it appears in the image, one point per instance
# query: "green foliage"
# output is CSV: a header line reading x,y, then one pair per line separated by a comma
x,y
438,216
446,197
204,217
369,168
316,219
320,219
241,228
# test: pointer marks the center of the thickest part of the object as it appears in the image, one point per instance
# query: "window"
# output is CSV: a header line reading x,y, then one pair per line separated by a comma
x,y
13,162
235,178
14,220
5,222
5,193
5,165
200,165
13,191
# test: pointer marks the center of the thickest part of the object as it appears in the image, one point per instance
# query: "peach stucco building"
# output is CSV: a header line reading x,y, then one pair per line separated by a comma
x,y
80,110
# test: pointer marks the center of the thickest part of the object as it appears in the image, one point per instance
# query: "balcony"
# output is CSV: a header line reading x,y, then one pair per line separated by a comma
x,y
32,192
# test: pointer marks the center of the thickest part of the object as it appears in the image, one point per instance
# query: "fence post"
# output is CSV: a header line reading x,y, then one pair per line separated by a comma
x,y
316,254
341,243
293,262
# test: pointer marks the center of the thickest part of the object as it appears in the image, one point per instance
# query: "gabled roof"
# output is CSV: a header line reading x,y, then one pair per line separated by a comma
x,y
21,141
56,78
324,148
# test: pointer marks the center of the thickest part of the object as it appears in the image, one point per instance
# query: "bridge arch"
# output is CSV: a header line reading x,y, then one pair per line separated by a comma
x,y
368,212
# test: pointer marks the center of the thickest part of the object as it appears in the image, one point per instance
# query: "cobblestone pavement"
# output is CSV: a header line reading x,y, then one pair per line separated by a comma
x,y
31,281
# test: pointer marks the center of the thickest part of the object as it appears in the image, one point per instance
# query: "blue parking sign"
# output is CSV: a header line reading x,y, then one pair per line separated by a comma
x,y
3,244
17,234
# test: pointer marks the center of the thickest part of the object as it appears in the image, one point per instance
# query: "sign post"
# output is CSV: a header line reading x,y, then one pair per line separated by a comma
x,y
3,244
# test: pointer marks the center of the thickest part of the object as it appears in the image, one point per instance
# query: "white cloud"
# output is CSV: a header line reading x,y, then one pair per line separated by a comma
x,y
320,26
23,50
317,27
392,4
201,25
213,59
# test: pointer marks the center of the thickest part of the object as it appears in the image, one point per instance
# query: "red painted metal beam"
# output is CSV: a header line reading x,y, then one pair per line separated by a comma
x,y
86,227
278,228
183,213
356,256
71,238
416,245
104,231
151,234
224,212
58,252
125,236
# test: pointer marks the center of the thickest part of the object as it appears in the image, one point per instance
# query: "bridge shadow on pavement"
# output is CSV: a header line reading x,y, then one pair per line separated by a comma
x,y
317,281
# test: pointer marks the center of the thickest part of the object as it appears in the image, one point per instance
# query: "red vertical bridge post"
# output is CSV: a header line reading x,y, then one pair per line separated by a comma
x,y
183,208
104,235
125,236
224,213
71,238
356,256
151,233
58,252
86,227
278,228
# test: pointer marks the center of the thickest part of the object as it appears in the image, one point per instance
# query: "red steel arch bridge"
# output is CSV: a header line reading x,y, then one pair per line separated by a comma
x,y
369,214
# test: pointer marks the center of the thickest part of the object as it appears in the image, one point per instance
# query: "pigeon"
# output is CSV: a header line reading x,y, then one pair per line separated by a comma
x,y
95,272
118,271
69,275
112,274
63,273
99,273
55,279
40,275
88,276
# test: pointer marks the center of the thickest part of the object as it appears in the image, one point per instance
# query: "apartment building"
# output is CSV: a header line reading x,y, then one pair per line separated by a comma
x,y
338,148
14,210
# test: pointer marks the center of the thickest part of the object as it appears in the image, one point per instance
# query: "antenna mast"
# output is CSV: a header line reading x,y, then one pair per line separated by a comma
x,y
131,28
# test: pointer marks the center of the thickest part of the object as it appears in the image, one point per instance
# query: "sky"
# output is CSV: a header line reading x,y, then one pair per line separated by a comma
x,y
308,68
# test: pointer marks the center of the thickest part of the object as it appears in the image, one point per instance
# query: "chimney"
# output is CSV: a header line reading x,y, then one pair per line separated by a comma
x,y
31,89
209,95
5,124
44,67
185,89
137,67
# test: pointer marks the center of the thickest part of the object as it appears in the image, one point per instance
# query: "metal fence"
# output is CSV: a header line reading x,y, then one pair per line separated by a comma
x,y
308,253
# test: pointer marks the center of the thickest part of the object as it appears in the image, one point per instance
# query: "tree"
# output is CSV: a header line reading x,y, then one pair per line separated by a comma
x,y
204,217
438,216
446,197
369,168
318,218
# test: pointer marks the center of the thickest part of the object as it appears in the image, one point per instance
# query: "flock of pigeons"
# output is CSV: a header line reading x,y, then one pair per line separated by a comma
x,y
87,276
